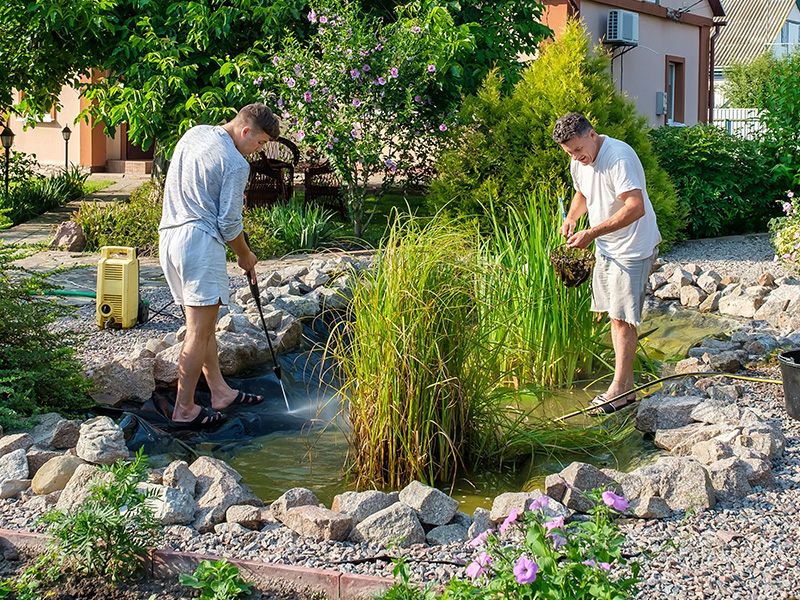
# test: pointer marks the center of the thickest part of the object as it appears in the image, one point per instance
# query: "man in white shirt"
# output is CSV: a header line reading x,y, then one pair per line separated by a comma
x,y
610,186
202,213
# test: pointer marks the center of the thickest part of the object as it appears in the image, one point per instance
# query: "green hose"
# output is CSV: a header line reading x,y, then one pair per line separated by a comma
x,y
654,382
70,293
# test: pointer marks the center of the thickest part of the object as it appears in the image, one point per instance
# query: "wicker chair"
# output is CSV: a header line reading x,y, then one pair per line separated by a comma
x,y
271,174
323,187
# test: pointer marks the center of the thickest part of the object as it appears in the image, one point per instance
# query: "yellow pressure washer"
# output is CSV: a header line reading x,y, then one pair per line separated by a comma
x,y
118,302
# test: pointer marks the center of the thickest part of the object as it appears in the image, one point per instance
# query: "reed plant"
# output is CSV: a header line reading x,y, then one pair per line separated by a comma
x,y
547,331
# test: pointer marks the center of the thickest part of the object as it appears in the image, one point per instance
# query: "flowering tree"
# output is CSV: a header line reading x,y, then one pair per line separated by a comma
x,y
786,233
358,92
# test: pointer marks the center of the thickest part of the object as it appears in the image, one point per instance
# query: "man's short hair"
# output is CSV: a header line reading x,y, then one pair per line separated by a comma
x,y
260,116
569,126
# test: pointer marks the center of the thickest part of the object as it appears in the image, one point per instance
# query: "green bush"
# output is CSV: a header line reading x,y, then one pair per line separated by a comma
x,y
37,369
724,180
31,197
747,82
505,146
298,225
218,580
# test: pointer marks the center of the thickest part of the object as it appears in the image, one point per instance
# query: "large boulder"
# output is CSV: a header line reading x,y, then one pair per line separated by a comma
x,y
69,236
165,367
249,517
729,478
170,505
658,411
76,490
736,302
178,475
54,431
318,522
579,478
38,458
359,505
12,487
237,352
290,499
55,474
683,483
642,495
447,534
433,506
397,523
101,442
120,380
14,465
217,499
15,441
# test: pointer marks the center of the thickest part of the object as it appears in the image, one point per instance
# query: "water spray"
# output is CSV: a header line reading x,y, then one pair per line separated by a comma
x,y
253,282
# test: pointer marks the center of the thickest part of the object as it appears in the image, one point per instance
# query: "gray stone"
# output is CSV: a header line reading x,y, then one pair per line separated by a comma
x,y
692,296
69,236
729,478
237,352
641,494
55,474
101,442
711,451
738,303
297,306
318,523
504,503
681,440
683,483
248,517
723,362
272,320
480,523
170,506
708,281
329,298
13,487
220,496
670,291
207,470
155,345
658,412
37,458
461,518
315,278
580,478
725,393
763,438
447,534
15,441
657,280
711,303
360,505
691,365
76,490
433,506
230,529
165,367
293,272
54,431
178,475
681,277
291,498
238,323
289,335
776,303
397,523
714,411
14,465
121,380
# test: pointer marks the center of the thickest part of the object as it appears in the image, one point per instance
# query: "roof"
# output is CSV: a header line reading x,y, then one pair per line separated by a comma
x,y
751,25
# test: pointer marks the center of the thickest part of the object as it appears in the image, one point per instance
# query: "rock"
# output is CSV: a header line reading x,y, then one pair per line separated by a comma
x,y
15,441
297,306
776,303
54,431
658,412
238,323
170,506
55,474
433,506
121,380
462,519
397,523
217,499
359,505
725,394
711,451
447,534
714,411
248,517
289,335
329,298
657,280
480,523
504,503
238,352
681,278
763,438
641,494
729,478
101,442
293,272
684,484
582,477
766,279
670,291
759,291
691,365
37,458
291,498
178,475
724,362
76,491
728,280
708,281
208,470
70,237
692,268
315,278
12,487
755,347
681,440
155,345
165,367
318,523
738,303
14,465
711,303
230,529
272,320
692,296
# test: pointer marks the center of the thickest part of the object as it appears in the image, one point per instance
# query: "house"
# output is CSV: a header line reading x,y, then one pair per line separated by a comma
x,y
88,144
661,51
754,27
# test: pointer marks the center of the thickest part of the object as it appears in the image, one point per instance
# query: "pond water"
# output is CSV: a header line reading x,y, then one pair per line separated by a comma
x,y
314,453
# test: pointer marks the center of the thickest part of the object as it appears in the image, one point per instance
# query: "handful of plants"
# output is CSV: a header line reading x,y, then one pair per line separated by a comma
x,y
573,265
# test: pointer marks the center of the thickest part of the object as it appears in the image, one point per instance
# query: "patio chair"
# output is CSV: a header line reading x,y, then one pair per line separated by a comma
x,y
271,174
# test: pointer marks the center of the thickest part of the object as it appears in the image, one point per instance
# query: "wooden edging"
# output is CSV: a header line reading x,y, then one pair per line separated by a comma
x,y
168,564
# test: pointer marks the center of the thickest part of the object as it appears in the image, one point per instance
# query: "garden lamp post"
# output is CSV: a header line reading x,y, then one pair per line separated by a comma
x,y
7,137
65,133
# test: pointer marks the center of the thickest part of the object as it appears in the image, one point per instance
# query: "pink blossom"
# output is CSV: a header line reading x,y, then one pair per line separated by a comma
x,y
394,72
312,83
418,98
479,566
616,502
415,29
481,538
442,127
512,516
307,97
525,570
431,68
356,102
365,68
557,523
540,503
355,73
557,540
381,81
312,16
323,19
301,135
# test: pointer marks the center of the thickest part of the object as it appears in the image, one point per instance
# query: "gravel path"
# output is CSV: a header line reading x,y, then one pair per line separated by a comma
x,y
744,549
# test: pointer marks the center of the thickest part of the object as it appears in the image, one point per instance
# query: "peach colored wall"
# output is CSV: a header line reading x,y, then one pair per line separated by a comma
x,y
642,70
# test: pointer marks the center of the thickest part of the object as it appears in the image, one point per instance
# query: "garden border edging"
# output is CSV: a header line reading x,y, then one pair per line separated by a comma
x,y
163,564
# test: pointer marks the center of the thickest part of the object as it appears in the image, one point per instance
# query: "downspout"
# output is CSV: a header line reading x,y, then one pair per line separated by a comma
x,y
711,71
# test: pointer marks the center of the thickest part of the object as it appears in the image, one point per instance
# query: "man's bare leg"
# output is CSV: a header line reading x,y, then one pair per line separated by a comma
x,y
201,323
625,340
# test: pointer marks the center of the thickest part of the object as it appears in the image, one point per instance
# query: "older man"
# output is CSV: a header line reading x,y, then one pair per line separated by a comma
x,y
203,197
609,184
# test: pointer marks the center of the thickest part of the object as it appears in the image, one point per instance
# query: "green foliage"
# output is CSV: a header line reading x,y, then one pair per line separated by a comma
x,y
112,530
37,368
786,233
402,589
505,145
218,580
133,223
22,166
780,114
298,225
723,179
748,82
33,196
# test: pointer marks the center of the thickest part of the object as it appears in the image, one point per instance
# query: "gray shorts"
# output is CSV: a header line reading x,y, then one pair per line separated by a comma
x,y
194,265
618,287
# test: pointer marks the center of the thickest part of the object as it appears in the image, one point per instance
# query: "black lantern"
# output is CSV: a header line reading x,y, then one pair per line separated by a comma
x,y
65,133
7,137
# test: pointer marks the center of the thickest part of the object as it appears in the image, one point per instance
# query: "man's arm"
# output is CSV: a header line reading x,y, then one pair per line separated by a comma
x,y
577,208
246,259
631,212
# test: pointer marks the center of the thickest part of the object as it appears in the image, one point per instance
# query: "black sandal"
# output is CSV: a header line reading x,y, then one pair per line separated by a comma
x,y
205,419
245,399
601,405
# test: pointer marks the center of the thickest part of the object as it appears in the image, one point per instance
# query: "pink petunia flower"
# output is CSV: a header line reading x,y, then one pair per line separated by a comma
x,y
479,566
512,516
525,570
616,502
540,503
431,68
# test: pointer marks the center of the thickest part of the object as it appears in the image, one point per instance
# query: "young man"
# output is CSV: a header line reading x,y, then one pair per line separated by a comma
x,y
609,184
203,197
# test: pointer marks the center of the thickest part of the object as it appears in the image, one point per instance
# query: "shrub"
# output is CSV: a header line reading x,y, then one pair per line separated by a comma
x,y
36,195
218,580
505,141
723,179
786,233
298,225
746,83
37,368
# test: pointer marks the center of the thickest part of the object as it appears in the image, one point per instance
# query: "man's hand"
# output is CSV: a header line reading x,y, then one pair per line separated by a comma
x,y
582,239
247,261
568,227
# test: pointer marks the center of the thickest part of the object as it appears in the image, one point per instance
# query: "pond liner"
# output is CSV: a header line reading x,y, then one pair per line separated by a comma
x,y
168,564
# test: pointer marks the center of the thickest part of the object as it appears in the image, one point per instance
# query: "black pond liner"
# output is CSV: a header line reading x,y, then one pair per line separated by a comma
x,y
309,383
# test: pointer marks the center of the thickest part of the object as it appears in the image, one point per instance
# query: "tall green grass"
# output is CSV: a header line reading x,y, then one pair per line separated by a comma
x,y
546,329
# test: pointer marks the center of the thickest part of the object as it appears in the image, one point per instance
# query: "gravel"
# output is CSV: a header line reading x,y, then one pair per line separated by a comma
x,y
745,549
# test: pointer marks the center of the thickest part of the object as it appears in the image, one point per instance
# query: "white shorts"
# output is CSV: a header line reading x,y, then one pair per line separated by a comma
x,y
618,287
194,265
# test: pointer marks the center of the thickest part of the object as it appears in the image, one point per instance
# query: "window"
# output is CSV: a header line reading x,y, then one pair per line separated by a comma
x,y
675,86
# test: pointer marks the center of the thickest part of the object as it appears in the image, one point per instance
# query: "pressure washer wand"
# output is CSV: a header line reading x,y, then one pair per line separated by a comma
x,y
253,282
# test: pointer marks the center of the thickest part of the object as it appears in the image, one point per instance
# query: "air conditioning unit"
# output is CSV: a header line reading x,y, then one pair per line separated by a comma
x,y
622,28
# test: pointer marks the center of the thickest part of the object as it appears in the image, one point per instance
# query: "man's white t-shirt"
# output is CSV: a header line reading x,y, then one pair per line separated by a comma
x,y
616,170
